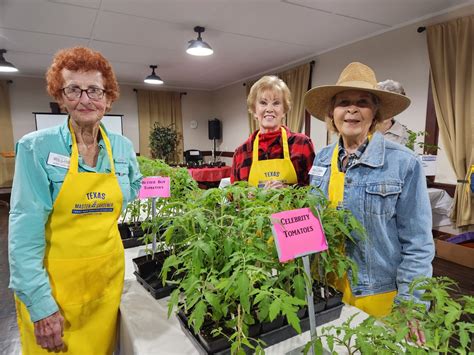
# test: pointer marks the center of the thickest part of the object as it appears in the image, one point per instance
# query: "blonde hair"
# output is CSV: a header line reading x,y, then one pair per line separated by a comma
x,y
272,83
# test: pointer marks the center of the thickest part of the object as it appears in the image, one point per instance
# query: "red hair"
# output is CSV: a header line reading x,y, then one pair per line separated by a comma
x,y
80,59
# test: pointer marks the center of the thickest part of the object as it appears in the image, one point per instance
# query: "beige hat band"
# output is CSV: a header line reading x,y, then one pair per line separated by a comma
x,y
357,84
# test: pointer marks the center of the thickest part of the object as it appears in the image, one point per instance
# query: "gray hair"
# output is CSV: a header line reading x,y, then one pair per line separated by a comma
x,y
392,86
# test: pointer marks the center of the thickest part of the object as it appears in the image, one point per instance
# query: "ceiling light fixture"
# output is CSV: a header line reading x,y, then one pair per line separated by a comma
x,y
153,78
198,46
5,66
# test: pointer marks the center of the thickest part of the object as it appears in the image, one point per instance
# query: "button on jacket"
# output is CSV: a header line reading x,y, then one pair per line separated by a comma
x,y
35,188
386,192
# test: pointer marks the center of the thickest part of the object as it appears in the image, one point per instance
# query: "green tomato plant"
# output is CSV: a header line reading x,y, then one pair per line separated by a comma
x,y
447,325
226,265
182,188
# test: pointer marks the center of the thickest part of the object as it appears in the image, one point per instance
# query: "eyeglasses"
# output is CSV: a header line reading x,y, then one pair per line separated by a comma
x,y
75,92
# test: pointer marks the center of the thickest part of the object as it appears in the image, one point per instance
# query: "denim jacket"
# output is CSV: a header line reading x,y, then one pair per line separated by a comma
x,y
385,191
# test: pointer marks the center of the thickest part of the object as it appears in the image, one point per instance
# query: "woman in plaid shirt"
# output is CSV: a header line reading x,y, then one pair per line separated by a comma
x,y
272,156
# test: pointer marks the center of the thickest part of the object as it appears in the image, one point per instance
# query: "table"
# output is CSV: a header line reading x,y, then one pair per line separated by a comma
x,y
145,328
210,177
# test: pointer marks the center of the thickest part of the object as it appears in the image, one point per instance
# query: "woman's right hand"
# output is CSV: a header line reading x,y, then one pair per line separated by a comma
x,y
274,184
49,332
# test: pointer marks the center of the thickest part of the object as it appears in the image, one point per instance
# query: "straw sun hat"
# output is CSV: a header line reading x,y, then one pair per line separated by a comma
x,y
356,76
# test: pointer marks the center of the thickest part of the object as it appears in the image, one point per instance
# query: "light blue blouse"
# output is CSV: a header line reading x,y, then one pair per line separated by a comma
x,y
36,185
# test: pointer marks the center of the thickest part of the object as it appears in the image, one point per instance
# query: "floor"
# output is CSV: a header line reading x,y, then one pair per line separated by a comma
x,y
9,338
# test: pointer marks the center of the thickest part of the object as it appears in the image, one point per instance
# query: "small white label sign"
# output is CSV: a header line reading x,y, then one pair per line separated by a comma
x,y
318,170
58,160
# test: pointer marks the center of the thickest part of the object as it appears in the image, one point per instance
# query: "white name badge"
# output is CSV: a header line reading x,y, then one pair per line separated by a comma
x,y
317,171
58,160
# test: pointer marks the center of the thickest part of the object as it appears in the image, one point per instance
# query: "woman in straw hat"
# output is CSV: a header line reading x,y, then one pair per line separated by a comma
x,y
380,182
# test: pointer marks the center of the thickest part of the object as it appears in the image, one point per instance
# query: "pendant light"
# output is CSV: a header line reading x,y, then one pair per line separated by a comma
x,y
5,66
198,46
153,78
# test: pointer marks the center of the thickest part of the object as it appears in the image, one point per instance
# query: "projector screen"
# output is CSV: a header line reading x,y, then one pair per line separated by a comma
x,y
113,123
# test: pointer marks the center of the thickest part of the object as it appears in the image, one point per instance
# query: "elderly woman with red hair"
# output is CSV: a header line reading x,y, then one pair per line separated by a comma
x,y
70,183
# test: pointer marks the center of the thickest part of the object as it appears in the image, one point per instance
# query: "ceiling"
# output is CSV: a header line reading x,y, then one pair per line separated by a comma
x,y
249,37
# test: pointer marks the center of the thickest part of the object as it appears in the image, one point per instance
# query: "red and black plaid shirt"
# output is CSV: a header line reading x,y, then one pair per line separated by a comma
x,y
270,147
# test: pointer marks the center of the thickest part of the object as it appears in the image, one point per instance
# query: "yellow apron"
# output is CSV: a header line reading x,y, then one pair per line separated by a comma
x,y
282,170
84,259
378,305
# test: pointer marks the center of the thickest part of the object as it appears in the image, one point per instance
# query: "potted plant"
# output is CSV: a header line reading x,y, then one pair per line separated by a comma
x,y
130,228
229,280
413,142
447,325
163,142
182,186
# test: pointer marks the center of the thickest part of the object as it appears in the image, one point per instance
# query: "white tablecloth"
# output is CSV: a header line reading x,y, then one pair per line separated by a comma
x,y
145,328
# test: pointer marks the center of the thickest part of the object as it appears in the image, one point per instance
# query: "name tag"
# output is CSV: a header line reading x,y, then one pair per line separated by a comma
x,y
58,160
317,171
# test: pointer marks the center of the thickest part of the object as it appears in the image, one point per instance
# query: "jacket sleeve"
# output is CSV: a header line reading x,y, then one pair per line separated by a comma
x,y
414,230
31,204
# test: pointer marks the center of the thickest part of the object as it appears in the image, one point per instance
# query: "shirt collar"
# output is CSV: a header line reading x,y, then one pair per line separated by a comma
x,y
396,129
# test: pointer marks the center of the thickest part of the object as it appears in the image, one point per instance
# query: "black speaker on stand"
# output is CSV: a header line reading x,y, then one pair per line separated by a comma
x,y
215,132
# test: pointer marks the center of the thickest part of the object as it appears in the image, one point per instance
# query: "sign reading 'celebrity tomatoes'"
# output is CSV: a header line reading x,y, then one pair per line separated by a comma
x,y
297,233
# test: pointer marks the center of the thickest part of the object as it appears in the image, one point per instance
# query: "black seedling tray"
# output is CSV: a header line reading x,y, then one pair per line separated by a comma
x,y
270,338
154,285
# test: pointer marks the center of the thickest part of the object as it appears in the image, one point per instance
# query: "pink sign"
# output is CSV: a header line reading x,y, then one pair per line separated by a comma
x,y
297,233
155,186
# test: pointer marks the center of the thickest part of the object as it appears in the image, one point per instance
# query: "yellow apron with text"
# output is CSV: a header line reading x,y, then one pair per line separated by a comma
x,y
282,170
378,305
84,259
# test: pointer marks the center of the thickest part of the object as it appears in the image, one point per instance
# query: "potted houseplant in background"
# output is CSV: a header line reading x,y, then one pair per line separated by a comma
x,y
164,142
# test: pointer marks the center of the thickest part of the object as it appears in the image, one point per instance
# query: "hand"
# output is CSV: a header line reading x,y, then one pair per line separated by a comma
x,y
274,184
415,333
49,332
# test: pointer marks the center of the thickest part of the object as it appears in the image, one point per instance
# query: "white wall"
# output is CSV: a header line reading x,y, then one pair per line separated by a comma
x,y
197,106
27,95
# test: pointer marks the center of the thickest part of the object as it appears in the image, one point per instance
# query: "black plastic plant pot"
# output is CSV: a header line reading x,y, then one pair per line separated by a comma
x,y
334,299
147,272
200,341
319,306
255,329
210,343
146,265
154,285
131,242
302,312
274,324
136,230
124,231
